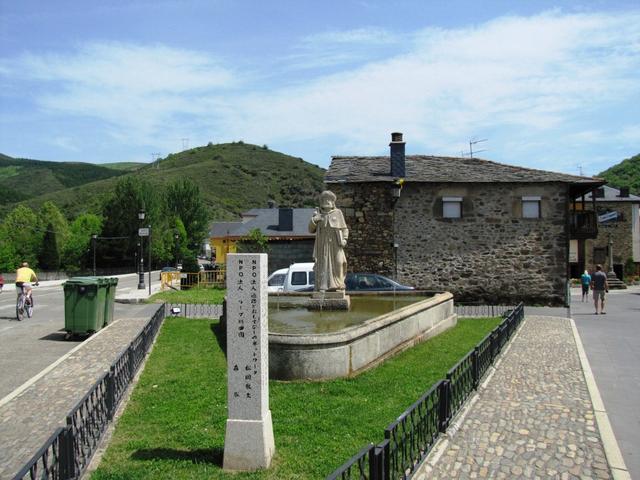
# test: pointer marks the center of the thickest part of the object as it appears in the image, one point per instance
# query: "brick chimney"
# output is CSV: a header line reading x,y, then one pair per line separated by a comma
x,y
397,155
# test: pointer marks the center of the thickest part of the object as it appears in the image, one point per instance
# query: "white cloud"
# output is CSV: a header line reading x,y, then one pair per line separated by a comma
x,y
521,78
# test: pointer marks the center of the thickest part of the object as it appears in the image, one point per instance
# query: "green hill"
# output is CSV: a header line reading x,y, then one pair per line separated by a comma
x,y
624,174
23,179
233,177
126,166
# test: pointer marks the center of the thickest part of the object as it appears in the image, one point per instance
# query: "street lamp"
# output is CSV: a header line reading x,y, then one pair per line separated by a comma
x,y
141,285
94,238
176,237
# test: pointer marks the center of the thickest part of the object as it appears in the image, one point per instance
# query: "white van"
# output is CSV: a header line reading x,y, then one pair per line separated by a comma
x,y
298,276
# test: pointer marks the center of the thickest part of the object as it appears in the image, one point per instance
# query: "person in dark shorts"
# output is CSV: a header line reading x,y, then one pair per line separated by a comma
x,y
600,287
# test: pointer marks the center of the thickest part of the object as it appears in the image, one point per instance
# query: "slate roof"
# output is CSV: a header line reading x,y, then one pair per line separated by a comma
x,y
425,168
613,195
266,219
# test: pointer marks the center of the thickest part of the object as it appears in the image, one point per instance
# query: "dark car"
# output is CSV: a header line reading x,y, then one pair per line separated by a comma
x,y
372,282
369,282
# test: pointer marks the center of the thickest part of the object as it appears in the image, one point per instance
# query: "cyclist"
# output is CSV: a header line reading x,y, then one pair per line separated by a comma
x,y
24,277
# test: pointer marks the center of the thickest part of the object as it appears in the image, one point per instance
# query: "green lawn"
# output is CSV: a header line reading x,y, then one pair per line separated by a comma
x,y
174,424
193,295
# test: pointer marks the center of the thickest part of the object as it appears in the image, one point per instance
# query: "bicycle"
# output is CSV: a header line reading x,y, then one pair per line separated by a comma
x,y
24,304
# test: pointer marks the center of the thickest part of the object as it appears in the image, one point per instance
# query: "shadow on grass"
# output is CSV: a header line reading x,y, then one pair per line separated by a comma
x,y
221,336
206,455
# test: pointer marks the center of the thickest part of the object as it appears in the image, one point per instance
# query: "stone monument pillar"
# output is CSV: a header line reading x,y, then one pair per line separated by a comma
x,y
248,443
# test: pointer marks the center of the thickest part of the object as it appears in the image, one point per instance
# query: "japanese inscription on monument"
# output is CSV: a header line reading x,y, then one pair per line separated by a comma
x,y
249,441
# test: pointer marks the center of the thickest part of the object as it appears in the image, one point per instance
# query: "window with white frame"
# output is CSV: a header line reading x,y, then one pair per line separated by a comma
x,y
452,207
531,207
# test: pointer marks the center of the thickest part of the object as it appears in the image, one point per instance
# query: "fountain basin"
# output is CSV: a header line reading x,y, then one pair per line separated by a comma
x,y
349,351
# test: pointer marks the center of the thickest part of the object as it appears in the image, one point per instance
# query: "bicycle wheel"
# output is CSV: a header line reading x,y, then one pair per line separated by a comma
x,y
29,307
20,308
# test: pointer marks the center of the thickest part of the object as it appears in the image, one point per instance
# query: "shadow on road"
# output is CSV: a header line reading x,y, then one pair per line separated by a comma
x,y
61,336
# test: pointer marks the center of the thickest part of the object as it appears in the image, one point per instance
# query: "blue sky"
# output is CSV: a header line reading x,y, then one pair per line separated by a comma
x,y
551,85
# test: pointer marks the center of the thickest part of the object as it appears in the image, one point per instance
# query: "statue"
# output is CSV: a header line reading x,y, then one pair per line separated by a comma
x,y
328,252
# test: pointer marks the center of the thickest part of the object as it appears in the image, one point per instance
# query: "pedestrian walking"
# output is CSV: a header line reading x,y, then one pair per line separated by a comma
x,y
600,287
585,280
1,282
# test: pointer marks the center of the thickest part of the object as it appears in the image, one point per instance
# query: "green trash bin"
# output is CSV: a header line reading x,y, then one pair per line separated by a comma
x,y
84,304
110,299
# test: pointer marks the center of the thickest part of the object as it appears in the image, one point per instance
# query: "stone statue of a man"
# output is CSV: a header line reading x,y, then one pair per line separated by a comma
x,y
331,237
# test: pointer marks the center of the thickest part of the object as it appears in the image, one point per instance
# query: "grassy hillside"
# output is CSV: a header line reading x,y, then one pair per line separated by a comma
x,y
125,166
233,177
23,179
624,174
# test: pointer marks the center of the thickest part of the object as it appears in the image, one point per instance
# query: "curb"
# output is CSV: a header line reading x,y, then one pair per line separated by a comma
x,y
610,444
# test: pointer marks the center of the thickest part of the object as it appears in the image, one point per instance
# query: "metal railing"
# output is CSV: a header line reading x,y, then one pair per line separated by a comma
x,y
205,279
410,438
67,453
480,310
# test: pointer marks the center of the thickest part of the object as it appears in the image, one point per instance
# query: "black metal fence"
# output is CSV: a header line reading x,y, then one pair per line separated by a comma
x,y
481,310
67,453
410,438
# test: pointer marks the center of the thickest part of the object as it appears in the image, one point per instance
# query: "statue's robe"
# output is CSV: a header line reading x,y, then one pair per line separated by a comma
x,y
331,263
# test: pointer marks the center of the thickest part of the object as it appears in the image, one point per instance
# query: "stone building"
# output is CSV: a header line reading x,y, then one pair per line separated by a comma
x,y
482,230
286,229
618,222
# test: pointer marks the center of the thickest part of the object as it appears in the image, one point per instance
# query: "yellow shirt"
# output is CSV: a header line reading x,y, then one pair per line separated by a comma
x,y
25,274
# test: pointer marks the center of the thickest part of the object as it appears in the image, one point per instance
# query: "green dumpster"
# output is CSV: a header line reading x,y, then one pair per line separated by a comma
x,y
110,299
84,304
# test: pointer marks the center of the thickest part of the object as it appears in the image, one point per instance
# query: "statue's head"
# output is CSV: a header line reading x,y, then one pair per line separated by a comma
x,y
327,201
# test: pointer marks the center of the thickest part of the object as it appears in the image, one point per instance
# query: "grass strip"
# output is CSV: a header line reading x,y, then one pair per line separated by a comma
x,y
174,424
192,295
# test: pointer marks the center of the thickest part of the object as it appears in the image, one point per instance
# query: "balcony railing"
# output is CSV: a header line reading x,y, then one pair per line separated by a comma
x,y
583,224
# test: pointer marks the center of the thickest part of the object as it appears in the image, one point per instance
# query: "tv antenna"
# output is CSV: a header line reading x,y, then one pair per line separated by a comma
x,y
473,142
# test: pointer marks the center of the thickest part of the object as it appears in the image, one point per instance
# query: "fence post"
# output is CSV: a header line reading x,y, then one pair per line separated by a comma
x,y
111,393
444,406
132,371
67,453
475,368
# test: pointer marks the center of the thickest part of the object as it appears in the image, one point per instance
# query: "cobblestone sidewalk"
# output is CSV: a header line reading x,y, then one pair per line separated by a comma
x,y
27,420
533,419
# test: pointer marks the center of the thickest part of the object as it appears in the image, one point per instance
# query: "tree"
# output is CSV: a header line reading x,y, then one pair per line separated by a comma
x,y
49,256
55,229
23,236
76,251
254,242
184,201
131,195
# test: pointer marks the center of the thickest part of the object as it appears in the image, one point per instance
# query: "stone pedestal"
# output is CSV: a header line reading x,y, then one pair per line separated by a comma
x,y
614,282
249,443
329,301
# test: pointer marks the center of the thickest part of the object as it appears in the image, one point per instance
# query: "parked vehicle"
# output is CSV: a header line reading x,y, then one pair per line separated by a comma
x,y
299,276
372,282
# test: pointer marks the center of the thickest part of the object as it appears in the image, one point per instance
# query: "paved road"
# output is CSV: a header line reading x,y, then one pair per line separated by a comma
x,y
29,346
612,344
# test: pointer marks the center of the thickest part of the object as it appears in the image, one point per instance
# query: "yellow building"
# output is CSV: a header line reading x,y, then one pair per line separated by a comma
x,y
286,229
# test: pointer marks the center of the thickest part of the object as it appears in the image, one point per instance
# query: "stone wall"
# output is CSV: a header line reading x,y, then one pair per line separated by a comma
x,y
283,253
491,254
367,209
621,233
